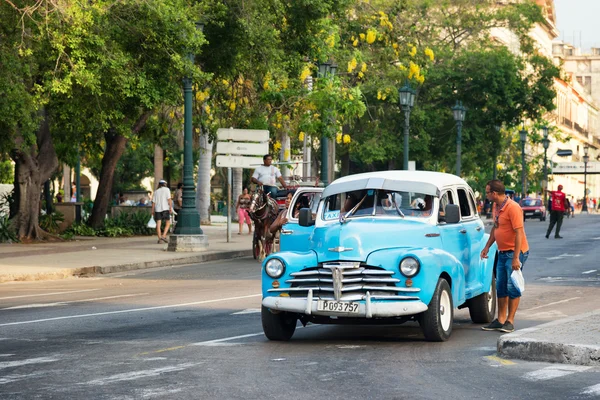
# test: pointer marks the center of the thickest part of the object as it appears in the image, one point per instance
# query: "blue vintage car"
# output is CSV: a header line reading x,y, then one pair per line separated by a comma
x,y
382,247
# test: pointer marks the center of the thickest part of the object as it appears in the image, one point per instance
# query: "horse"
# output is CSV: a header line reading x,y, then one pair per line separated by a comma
x,y
263,210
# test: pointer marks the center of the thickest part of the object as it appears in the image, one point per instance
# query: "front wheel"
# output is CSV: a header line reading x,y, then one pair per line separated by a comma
x,y
483,307
436,322
280,326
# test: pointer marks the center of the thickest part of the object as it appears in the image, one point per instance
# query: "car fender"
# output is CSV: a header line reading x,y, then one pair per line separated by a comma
x,y
294,262
434,263
487,266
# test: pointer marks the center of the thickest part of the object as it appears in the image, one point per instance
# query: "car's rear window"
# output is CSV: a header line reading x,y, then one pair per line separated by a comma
x,y
531,202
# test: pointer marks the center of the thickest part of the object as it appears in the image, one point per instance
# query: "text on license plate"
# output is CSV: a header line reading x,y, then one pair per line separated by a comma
x,y
338,306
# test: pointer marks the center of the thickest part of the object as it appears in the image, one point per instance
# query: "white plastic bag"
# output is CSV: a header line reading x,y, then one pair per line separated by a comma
x,y
518,280
152,223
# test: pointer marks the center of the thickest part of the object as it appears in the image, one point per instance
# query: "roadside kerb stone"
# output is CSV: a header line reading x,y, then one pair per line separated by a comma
x,y
574,340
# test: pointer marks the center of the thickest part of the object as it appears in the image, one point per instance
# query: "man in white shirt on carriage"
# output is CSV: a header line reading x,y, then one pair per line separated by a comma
x,y
267,176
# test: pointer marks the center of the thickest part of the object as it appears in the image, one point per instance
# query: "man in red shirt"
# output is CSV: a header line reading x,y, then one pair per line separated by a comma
x,y
558,202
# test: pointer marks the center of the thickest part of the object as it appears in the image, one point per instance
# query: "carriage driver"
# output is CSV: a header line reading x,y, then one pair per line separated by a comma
x,y
267,176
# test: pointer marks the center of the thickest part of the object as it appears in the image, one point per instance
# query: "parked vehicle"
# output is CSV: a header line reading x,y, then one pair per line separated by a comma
x,y
382,247
533,208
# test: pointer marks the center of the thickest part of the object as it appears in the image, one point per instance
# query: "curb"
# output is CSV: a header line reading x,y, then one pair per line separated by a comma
x,y
518,345
109,269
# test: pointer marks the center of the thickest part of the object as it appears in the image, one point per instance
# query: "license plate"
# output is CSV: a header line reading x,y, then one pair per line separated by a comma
x,y
338,306
529,213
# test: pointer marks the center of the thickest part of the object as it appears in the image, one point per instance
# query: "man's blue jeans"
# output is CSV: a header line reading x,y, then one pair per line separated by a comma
x,y
504,285
271,189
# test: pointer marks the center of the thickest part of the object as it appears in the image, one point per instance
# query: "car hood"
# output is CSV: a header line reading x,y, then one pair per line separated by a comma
x,y
358,237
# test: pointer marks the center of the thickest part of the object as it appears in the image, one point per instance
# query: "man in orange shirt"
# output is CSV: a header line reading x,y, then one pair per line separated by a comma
x,y
509,234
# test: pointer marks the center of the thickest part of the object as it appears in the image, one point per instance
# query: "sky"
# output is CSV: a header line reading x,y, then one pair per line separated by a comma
x,y
579,19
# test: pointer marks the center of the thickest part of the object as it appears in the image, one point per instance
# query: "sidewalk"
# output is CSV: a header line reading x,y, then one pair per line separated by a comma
x,y
86,256
574,340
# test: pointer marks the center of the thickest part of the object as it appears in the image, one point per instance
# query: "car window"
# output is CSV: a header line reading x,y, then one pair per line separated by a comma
x,y
472,203
375,202
445,200
531,202
463,202
305,200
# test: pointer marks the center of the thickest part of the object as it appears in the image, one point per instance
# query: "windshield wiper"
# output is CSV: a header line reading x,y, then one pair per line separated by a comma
x,y
344,217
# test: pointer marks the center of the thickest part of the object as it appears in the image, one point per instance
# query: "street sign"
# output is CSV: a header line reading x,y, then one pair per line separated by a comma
x,y
576,168
564,153
243,148
243,135
238,161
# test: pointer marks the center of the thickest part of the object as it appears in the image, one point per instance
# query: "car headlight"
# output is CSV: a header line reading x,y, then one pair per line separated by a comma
x,y
409,267
275,268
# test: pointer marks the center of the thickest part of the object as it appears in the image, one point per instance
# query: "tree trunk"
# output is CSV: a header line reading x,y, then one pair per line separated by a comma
x,y
158,166
115,146
33,166
203,187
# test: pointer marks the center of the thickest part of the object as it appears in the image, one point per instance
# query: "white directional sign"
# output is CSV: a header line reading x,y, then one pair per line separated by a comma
x,y
243,135
236,144
238,161
243,148
576,168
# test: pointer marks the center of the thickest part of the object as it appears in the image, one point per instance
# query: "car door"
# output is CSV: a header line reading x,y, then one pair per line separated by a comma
x,y
294,237
474,232
454,237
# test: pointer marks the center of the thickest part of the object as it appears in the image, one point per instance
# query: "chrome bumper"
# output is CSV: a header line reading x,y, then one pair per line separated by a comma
x,y
368,309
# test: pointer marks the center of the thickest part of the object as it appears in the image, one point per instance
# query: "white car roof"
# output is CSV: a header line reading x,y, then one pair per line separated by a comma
x,y
428,182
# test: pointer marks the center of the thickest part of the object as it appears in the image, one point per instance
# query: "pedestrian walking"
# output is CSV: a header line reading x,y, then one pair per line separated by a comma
x,y
242,206
267,176
509,234
163,207
178,203
558,204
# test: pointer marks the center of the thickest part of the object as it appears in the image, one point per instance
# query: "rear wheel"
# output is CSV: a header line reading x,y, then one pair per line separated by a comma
x,y
436,322
483,307
280,326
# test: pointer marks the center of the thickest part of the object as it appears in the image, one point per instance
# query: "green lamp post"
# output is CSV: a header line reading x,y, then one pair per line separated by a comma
x,y
459,111
188,221
523,137
326,69
407,101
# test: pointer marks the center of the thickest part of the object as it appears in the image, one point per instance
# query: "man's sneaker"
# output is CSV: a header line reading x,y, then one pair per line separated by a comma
x,y
558,237
507,327
547,236
494,326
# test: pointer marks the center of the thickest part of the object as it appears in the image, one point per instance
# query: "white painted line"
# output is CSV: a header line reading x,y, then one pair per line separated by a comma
x,y
63,303
551,304
596,238
47,294
6,355
565,255
129,311
592,390
555,371
17,377
590,271
247,311
130,376
38,360
210,342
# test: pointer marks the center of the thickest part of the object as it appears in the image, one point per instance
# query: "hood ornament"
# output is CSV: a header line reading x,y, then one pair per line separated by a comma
x,y
340,249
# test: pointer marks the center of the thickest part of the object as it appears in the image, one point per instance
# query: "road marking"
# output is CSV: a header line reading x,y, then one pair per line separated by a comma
x,y
17,377
38,360
565,255
551,304
210,342
554,371
500,360
162,350
129,311
63,303
247,311
590,271
592,390
130,376
6,355
47,294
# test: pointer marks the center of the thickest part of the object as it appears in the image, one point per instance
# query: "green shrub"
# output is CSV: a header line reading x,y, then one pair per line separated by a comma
x,y
7,234
81,230
115,231
51,222
136,222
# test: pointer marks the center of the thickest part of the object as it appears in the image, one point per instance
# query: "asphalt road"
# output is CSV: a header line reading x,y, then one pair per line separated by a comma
x,y
194,332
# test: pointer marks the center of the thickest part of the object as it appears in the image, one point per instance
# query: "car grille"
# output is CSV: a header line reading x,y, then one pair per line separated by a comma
x,y
346,281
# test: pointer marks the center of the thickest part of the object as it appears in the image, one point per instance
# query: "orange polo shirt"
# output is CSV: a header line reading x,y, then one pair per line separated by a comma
x,y
510,218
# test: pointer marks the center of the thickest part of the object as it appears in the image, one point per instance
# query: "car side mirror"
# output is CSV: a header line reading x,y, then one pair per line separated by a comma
x,y
452,214
305,217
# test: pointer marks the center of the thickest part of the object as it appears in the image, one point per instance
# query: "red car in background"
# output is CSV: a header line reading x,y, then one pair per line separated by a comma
x,y
533,208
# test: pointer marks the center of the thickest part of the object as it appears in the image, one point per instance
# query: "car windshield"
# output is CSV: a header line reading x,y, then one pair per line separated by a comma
x,y
531,202
374,202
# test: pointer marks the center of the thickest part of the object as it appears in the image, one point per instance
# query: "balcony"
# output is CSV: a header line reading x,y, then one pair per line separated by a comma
x,y
579,129
567,122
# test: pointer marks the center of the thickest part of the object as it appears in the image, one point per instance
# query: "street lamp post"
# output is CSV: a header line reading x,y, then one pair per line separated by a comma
x,y
326,69
188,220
586,159
459,112
407,101
546,143
523,134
